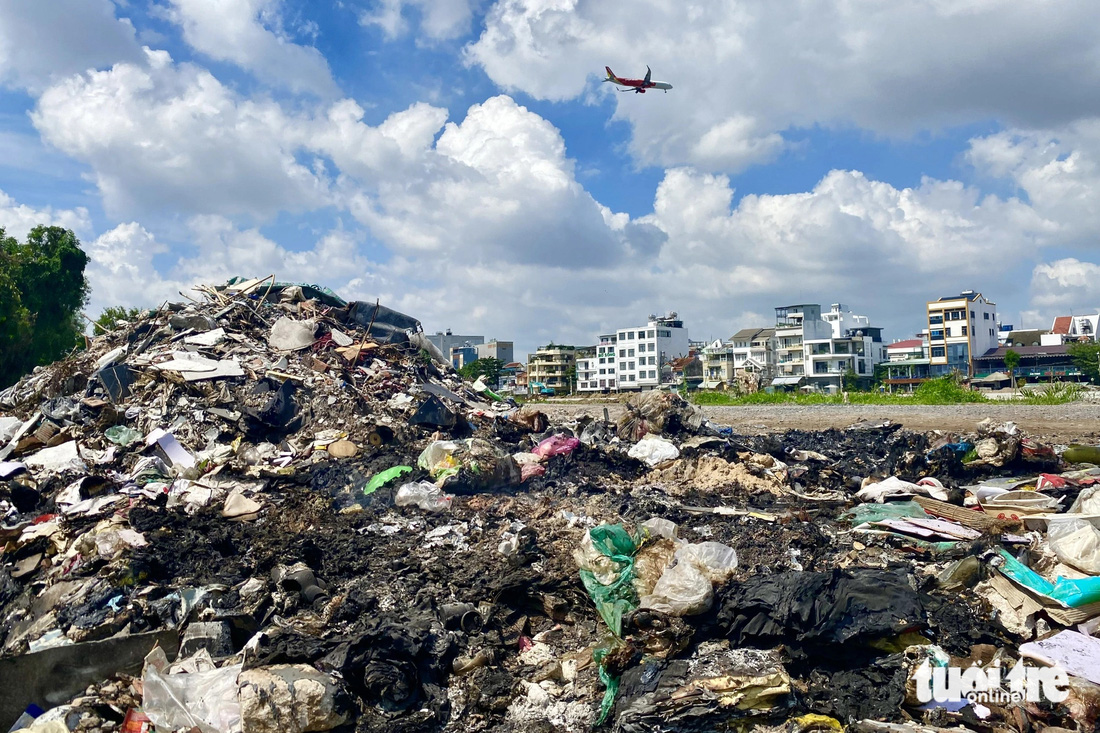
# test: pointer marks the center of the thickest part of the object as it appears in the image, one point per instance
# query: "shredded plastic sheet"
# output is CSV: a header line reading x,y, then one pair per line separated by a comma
x,y
611,685
381,479
1065,591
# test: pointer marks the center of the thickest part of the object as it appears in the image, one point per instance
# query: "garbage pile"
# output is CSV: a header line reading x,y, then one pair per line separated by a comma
x,y
274,510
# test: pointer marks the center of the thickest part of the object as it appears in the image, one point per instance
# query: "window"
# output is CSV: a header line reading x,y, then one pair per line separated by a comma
x,y
972,316
664,334
936,320
630,366
862,366
934,335
622,352
630,335
610,371
630,352
603,371
650,333
964,331
986,315
622,365
947,332
991,332
622,335
938,352
653,360
652,374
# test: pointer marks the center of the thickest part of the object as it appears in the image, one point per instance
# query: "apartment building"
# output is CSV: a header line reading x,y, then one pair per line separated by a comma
x,y
445,341
596,373
750,349
550,365
494,349
817,349
644,352
960,328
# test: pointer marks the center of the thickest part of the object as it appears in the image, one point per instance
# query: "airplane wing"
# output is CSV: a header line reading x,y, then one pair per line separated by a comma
x,y
648,74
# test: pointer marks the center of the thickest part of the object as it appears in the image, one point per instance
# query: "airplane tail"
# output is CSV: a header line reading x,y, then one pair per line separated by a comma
x,y
610,74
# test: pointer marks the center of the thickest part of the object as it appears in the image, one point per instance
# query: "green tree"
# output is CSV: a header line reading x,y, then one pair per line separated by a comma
x,y
1086,357
112,315
1012,361
43,288
850,380
487,367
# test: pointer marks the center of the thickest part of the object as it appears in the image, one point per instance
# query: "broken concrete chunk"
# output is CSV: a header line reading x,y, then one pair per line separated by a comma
x,y
289,698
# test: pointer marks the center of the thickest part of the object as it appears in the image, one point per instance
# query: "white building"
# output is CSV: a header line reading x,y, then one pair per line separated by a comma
x,y
960,328
597,373
817,350
1072,328
748,350
644,352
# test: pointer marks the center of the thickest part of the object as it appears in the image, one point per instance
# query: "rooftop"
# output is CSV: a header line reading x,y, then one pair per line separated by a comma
x,y
906,344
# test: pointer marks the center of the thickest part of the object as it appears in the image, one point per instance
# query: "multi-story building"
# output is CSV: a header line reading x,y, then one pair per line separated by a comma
x,y
906,364
644,352
463,355
960,328
494,349
748,350
445,341
597,373
818,349
550,365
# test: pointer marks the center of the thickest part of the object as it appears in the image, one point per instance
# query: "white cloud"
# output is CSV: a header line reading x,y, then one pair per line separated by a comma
x,y
497,188
1064,287
41,41
439,19
18,219
167,138
250,33
745,70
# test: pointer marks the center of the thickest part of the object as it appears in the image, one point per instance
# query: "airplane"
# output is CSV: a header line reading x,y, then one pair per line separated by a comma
x,y
639,85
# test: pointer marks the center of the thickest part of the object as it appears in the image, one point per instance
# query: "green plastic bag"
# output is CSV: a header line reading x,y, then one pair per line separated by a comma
x,y
122,435
611,685
381,479
619,597
871,512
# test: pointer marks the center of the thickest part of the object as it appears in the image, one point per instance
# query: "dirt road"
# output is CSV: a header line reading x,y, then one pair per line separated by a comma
x,y
1078,422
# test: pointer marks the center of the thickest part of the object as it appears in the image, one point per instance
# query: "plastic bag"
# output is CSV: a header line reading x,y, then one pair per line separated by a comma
x,y
681,591
425,495
556,445
207,700
653,450
531,470
1067,592
438,458
1076,542
606,559
122,435
686,588
1087,502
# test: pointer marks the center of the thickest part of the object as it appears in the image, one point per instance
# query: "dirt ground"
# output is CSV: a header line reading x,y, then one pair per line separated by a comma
x,y
1078,422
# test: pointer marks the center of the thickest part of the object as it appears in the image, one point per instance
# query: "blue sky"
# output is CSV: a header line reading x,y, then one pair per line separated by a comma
x,y
461,160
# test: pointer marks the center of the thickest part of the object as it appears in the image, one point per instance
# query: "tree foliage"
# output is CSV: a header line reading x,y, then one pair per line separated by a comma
x,y
109,318
489,367
1085,357
1012,361
42,289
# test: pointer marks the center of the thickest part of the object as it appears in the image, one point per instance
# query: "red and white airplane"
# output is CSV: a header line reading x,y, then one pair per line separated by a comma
x,y
639,85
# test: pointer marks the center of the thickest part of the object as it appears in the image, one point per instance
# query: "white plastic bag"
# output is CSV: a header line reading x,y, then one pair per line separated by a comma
x,y
681,590
1087,502
713,559
423,494
1076,542
204,699
653,450
687,586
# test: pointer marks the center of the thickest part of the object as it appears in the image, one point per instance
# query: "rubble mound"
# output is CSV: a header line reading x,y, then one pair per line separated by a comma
x,y
271,509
